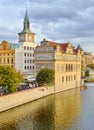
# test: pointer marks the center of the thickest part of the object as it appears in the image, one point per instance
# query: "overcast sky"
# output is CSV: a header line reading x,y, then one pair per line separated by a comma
x,y
55,20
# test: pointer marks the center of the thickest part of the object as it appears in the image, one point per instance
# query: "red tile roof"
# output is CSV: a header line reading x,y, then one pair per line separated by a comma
x,y
62,45
54,44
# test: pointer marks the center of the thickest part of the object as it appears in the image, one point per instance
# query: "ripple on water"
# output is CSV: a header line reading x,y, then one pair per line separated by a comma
x,y
63,111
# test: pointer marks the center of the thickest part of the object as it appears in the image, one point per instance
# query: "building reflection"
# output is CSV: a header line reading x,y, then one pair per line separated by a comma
x,y
68,109
55,112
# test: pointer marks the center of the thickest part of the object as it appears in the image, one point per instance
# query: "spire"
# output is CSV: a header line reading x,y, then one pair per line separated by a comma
x,y
26,24
79,47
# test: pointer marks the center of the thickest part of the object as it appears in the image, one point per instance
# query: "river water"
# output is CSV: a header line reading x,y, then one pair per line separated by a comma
x,y
68,110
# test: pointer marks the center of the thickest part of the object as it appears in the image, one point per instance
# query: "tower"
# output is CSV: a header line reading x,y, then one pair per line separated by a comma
x,y
26,35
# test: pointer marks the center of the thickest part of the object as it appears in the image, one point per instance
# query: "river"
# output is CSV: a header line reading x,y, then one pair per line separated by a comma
x,y
68,110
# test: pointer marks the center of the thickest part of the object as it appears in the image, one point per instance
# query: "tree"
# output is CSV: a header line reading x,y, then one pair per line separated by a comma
x,y
45,76
82,71
91,66
9,78
87,73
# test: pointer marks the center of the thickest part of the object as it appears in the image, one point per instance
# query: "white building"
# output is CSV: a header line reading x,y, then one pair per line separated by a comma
x,y
24,54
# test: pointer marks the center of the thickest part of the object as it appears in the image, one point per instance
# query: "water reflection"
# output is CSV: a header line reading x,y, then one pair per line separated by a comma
x,y
67,109
55,112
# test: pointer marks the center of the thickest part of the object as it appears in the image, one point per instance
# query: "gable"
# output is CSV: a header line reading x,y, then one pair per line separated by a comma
x,y
69,49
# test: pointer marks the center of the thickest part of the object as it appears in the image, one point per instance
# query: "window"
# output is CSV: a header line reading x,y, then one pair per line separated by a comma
x,y
74,77
24,54
69,78
7,60
66,67
62,79
66,79
30,54
24,47
28,67
11,60
27,48
24,61
25,67
71,67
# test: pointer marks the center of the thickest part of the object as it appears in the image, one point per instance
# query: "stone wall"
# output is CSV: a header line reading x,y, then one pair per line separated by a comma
x,y
22,97
25,96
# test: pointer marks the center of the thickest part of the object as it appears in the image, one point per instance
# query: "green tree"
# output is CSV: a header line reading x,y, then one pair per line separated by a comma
x,y
45,76
82,71
10,78
87,73
91,66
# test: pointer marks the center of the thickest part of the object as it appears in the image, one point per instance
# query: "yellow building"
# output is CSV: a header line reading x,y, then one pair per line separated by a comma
x,y
6,54
87,58
64,59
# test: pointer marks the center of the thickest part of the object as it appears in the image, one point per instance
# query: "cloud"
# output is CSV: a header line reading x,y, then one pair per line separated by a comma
x,y
8,34
62,20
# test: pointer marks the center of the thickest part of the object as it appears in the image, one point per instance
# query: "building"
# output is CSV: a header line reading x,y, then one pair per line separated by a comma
x,y
24,55
64,59
86,57
7,54
89,58
82,55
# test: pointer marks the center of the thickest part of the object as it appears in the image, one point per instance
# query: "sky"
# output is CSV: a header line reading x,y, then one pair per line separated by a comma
x,y
55,20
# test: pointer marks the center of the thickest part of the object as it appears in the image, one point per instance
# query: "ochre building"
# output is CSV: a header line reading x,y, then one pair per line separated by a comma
x,y
64,59
87,58
7,54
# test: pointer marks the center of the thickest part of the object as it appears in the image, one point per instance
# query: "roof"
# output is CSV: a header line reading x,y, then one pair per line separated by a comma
x,y
87,53
14,46
26,24
64,46
54,44
79,47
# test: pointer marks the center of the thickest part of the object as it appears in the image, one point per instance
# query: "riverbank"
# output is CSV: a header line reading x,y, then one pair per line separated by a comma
x,y
89,80
18,98
21,97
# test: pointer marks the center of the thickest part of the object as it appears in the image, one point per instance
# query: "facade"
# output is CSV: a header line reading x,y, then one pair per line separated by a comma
x,y
24,55
82,55
64,59
88,58
7,54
